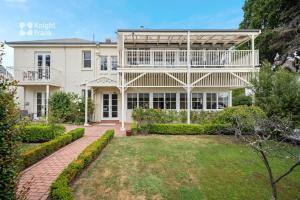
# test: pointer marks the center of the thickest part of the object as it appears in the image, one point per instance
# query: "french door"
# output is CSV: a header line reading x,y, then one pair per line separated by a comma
x,y
40,104
43,62
109,106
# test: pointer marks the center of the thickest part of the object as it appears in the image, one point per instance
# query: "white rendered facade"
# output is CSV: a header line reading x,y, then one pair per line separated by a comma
x,y
166,69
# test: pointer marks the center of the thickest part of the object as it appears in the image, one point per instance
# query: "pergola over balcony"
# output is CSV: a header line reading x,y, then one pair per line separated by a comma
x,y
203,38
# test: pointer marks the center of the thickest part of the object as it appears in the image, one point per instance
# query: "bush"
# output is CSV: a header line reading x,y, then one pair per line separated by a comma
x,y
246,115
68,107
41,132
35,154
60,189
189,129
242,100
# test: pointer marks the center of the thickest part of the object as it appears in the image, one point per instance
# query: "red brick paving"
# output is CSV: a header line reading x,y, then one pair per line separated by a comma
x,y
43,173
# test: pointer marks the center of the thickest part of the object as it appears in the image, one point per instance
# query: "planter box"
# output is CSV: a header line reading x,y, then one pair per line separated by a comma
x,y
128,133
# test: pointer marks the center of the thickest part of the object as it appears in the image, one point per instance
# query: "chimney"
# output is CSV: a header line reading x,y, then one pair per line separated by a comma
x,y
107,40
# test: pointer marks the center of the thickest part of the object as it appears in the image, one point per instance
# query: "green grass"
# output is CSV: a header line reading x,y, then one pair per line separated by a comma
x,y
26,146
181,167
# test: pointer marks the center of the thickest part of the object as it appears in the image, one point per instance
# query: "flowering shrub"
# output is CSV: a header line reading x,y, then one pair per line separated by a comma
x,y
68,107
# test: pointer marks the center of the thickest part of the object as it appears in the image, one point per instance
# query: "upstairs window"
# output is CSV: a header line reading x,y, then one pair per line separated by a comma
x,y
114,62
103,63
87,59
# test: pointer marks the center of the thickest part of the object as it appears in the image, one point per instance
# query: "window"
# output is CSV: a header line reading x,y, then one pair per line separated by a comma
x,y
131,100
223,100
103,63
114,62
197,101
211,101
144,100
183,102
47,60
158,100
87,59
170,100
89,93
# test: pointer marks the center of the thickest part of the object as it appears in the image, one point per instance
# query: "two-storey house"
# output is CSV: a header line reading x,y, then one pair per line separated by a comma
x,y
147,68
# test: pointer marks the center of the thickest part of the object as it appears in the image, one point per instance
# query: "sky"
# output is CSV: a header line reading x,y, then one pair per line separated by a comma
x,y
51,19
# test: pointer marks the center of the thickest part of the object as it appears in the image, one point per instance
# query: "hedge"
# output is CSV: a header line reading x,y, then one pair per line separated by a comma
x,y
60,189
35,154
189,129
36,133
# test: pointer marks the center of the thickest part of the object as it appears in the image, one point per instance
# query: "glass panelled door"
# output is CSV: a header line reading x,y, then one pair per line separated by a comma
x,y
43,62
109,106
40,104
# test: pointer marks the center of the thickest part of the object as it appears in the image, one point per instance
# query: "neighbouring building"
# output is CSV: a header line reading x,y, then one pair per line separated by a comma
x,y
149,68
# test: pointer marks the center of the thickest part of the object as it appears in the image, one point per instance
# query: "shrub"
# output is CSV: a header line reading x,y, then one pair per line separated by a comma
x,y
60,189
35,154
189,129
8,139
68,107
246,116
242,100
41,132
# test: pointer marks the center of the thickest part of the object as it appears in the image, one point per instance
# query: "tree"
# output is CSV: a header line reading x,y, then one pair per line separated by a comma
x,y
269,139
8,139
278,93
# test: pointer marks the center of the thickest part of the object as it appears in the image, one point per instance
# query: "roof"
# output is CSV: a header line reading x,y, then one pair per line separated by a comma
x,y
191,30
65,41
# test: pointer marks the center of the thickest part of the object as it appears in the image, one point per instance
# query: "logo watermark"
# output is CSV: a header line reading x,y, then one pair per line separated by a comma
x,y
36,28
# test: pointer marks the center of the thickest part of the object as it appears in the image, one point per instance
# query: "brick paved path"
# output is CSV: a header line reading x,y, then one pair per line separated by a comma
x,y
44,172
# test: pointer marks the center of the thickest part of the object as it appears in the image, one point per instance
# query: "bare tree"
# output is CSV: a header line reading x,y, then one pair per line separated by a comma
x,y
269,138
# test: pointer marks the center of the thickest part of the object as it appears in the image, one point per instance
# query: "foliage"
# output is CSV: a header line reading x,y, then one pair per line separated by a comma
x,y
35,154
68,107
278,93
8,139
41,132
239,98
246,114
189,129
60,189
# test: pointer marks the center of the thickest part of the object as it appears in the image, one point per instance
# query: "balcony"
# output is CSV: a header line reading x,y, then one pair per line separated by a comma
x,y
198,58
38,76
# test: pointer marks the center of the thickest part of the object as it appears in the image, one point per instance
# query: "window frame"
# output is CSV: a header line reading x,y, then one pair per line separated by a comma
x,y
84,60
114,62
134,104
103,65
197,96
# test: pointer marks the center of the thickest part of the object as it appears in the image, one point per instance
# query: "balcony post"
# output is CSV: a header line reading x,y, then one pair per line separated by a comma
x,y
86,106
188,79
47,102
253,50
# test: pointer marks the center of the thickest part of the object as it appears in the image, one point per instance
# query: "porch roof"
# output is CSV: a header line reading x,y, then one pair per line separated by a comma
x,y
101,82
225,37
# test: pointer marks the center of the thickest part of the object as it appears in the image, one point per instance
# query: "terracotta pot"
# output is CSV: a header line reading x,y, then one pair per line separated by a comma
x,y
128,133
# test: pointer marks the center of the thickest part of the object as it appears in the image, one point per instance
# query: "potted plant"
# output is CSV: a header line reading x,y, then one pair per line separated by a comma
x,y
128,132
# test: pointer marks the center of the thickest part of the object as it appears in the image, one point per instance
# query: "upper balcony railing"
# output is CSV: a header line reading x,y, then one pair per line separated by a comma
x,y
198,58
38,75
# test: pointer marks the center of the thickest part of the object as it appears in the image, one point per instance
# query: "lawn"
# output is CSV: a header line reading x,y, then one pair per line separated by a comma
x,y
181,167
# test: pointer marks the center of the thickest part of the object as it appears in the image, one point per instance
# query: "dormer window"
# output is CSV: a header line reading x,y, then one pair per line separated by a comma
x,y
87,59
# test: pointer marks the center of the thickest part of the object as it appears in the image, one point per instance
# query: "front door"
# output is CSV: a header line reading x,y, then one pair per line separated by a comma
x,y
40,104
109,106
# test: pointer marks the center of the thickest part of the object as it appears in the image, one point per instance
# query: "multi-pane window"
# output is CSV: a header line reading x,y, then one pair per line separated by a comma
x,y
83,93
211,100
131,100
170,100
144,100
40,60
87,59
103,63
158,101
47,60
223,100
158,57
183,101
197,101
114,62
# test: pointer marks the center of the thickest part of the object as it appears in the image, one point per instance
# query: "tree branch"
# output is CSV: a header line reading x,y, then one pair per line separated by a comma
x,y
288,172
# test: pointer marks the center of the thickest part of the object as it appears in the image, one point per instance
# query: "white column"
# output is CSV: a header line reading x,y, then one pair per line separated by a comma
x,y
188,88
123,86
230,98
86,106
47,102
253,50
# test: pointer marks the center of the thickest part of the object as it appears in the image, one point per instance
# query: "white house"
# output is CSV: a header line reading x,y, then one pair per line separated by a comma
x,y
167,69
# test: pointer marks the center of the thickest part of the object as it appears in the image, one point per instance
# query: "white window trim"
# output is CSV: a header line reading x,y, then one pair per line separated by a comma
x,y
82,63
